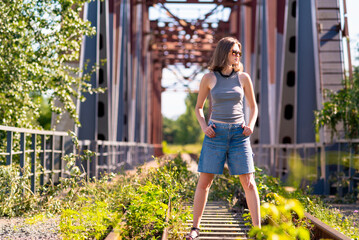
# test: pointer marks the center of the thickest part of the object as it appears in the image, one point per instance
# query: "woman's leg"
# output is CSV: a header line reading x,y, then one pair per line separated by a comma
x,y
200,197
252,197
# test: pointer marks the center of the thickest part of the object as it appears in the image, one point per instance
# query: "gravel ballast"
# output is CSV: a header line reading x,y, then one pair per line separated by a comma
x,y
18,228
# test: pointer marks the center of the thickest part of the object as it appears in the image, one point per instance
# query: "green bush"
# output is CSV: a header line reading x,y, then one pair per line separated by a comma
x,y
311,203
15,196
92,221
145,216
147,198
228,188
342,107
279,214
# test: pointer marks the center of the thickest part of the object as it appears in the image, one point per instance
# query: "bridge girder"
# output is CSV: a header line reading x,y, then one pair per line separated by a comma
x,y
225,3
182,42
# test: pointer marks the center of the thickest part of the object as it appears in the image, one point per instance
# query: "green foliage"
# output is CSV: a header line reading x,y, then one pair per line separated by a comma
x,y
146,201
45,113
18,200
146,214
279,213
189,131
15,196
36,219
267,184
169,130
342,107
185,129
136,206
194,148
331,216
307,168
37,40
90,208
312,204
227,187
91,221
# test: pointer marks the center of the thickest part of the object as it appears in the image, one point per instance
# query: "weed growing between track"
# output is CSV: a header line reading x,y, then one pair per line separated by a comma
x,y
136,205
146,196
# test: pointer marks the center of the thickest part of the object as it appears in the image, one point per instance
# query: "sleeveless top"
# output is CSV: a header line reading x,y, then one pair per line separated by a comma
x,y
227,99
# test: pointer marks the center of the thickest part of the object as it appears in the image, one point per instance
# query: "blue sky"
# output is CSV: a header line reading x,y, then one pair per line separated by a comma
x,y
173,102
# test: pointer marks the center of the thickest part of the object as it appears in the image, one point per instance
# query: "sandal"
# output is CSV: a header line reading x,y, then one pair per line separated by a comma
x,y
190,237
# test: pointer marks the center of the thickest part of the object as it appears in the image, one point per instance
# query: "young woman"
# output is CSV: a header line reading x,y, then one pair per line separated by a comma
x,y
226,134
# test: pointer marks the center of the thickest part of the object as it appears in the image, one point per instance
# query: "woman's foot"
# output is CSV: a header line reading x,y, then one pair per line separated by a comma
x,y
194,234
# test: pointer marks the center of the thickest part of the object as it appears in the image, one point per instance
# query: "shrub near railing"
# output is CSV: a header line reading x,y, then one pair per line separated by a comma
x,y
15,195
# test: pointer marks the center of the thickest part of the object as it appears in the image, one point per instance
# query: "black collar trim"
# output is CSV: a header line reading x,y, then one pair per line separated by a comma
x,y
226,76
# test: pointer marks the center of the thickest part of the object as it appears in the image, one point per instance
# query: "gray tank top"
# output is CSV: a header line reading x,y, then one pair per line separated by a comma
x,y
227,99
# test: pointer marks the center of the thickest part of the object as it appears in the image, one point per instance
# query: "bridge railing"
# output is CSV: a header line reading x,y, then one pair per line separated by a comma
x,y
329,169
114,156
42,153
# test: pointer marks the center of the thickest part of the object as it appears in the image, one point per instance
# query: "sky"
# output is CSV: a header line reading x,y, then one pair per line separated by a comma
x,y
173,104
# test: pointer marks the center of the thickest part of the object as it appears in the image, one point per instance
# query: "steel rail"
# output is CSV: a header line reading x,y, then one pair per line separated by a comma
x,y
322,230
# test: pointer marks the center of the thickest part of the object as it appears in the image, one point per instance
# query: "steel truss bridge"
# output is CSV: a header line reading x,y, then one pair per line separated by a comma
x,y
292,49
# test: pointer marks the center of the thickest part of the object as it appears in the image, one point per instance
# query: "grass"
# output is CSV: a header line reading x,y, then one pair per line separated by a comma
x,y
187,148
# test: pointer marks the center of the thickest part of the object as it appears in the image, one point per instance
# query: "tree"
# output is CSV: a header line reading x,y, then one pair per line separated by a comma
x,y
169,130
45,113
188,129
37,39
342,107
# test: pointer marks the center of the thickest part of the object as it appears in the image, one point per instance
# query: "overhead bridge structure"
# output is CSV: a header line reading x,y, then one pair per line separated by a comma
x,y
293,50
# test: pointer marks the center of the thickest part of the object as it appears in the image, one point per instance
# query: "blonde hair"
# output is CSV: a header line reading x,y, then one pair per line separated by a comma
x,y
220,56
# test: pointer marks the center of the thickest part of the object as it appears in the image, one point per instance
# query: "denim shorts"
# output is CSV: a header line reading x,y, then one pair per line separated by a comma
x,y
229,144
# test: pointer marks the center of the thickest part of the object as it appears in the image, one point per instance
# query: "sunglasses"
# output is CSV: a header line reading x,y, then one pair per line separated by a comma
x,y
236,53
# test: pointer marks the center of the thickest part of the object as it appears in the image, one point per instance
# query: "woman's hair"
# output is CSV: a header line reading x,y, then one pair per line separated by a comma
x,y
220,55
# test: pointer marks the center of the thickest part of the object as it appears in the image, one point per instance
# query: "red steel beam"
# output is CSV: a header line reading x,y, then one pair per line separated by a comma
x,y
225,3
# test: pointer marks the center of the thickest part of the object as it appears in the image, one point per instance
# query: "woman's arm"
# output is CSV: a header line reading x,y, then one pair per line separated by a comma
x,y
204,89
249,94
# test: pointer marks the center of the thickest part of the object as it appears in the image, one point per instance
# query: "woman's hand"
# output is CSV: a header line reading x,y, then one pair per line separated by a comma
x,y
247,131
209,131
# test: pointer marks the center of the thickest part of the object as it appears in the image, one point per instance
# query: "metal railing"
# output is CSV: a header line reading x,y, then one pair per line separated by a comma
x,y
45,159
43,152
329,169
114,156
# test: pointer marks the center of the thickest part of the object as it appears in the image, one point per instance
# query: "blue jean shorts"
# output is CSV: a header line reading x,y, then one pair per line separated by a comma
x,y
229,144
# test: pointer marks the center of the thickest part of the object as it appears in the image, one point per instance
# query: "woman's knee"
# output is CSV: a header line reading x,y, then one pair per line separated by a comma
x,y
247,181
205,181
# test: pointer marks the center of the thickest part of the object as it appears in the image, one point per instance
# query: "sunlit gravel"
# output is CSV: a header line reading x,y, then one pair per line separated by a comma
x,y
17,228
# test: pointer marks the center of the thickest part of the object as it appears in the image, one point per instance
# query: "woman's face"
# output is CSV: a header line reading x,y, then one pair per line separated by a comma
x,y
234,55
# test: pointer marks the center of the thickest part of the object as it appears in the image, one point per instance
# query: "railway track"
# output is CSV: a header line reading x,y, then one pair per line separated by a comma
x,y
218,222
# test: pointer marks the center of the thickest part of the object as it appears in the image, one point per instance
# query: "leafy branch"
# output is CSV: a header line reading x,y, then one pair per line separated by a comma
x,y
341,107
38,40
